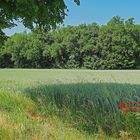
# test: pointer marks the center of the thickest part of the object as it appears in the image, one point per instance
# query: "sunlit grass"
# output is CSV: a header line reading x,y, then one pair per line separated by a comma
x,y
67,104
20,120
57,76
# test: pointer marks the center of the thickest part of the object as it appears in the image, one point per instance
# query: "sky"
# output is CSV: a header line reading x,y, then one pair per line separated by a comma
x,y
89,11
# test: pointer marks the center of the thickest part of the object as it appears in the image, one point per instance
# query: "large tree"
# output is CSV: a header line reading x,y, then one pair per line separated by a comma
x,y
43,13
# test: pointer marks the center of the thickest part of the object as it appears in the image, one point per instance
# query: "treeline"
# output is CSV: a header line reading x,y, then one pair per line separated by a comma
x,y
112,46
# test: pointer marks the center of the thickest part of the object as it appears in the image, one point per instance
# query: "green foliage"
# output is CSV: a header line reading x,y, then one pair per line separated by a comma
x,y
112,46
2,38
45,13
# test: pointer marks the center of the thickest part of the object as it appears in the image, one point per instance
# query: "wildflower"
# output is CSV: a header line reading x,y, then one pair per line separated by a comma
x,y
121,104
138,102
126,109
135,108
131,102
127,103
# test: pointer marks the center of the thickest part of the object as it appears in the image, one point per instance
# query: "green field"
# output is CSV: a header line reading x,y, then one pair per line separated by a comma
x,y
68,104
52,76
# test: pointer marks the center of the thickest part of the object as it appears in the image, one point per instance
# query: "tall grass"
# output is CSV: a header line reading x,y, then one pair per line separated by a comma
x,y
73,111
16,120
20,120
44,105
89,107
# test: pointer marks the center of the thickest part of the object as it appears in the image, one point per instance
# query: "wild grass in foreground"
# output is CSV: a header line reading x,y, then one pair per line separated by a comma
x,y
69,112
90,107
20,119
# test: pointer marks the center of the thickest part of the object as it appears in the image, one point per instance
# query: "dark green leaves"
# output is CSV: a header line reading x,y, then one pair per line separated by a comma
x,y
112,46
45,14
77,1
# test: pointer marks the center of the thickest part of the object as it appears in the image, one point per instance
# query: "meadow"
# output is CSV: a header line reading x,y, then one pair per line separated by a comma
x,y
54,104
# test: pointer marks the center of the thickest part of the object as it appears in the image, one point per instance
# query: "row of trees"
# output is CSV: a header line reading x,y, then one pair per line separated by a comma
x,y
112,46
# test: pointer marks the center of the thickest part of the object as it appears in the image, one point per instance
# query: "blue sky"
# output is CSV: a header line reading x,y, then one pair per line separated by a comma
x,y
99,11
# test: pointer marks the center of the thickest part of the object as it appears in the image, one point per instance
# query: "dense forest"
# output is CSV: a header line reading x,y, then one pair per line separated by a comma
x,y
115,45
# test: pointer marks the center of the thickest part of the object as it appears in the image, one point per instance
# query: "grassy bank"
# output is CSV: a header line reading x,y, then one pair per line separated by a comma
x,y
20,119
34,110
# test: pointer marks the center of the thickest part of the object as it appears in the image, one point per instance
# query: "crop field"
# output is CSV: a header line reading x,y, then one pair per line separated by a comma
x,y
53,76
39,104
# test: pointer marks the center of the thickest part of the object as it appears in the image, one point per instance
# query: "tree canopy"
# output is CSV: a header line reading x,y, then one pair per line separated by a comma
x,y
112,46
45,14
